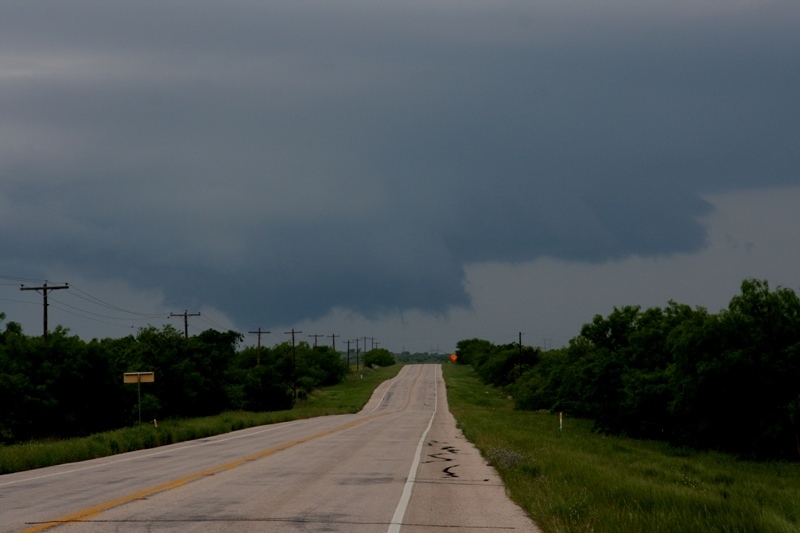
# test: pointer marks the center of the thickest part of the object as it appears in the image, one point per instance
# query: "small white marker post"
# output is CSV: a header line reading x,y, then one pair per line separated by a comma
x,y
139,378
561,421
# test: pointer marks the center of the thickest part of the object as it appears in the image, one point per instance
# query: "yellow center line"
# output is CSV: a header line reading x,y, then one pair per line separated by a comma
x,y
91,512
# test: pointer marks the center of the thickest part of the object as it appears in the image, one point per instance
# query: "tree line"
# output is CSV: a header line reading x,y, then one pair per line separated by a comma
x,y
64,386
728,381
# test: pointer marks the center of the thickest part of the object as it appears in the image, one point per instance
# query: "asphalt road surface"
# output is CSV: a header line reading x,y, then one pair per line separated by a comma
x,y
400,465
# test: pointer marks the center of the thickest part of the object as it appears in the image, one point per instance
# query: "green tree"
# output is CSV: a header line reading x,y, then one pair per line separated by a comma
x,y
378,357
738,374
538,387
470,351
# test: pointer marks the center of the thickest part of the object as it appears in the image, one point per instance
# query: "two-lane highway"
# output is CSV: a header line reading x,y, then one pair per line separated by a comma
x,y
398,465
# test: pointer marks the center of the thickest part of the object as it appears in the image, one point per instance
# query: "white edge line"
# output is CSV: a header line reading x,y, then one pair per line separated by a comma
x,y
400,512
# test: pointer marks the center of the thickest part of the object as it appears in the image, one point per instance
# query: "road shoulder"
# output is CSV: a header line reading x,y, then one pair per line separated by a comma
x,y
456,487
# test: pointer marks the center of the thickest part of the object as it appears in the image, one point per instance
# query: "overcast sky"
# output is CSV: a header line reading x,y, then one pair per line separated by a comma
x,y
418,171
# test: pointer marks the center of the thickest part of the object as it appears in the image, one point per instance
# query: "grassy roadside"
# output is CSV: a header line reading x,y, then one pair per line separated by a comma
x,y
577,480
349,396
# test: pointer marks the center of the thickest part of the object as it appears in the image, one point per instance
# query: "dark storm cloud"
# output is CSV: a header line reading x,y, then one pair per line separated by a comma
x,y
284,158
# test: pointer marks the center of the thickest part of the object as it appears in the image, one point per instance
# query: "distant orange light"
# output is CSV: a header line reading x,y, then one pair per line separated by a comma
x,y
453,358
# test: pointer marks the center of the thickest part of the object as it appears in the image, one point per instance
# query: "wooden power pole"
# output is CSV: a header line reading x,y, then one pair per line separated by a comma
x,y
333,340
316,336
258,350
45,289
185,315
294,362
348,354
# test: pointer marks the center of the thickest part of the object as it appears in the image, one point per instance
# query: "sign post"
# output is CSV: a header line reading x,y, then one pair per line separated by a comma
x,y
139,378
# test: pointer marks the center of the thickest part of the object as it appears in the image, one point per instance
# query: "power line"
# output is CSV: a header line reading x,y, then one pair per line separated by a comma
x,y
207,320
77,292
85,317
97,301
18,279
81,312
97,314
18,301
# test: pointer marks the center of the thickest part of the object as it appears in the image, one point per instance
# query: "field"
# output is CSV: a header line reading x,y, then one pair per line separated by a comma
x,y
349,396
574,479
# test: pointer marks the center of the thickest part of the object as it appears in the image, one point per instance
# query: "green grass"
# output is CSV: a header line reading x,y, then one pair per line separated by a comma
x,y
579,480
349,396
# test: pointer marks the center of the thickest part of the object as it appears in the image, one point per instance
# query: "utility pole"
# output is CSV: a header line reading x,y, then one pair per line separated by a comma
x,y
365,344
258,350
185,315
348,354
294,362
44,288
357,354
520,353
333,340
316,336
